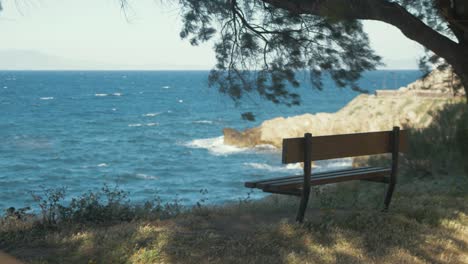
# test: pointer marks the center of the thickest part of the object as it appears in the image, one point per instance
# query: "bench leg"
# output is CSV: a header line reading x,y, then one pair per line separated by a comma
x,y
303,205
388,196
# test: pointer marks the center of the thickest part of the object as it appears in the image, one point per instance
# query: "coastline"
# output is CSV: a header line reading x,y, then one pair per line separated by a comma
x,y
408,107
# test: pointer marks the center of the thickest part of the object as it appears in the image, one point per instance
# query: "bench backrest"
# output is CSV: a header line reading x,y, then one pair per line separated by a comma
x,y
341,146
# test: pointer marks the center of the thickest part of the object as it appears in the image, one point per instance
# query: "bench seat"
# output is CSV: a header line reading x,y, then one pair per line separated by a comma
x,y
293,184
308,149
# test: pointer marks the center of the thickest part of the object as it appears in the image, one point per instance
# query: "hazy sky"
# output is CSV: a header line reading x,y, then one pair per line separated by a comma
x,y
97,34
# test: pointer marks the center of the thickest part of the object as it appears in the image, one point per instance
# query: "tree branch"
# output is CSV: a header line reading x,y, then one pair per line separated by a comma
x,y
379,10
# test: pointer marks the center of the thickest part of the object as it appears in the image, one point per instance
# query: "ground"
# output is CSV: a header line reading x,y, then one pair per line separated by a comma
x,y
427,223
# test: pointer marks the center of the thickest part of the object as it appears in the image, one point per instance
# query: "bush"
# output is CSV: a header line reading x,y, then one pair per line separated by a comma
x,y
440,147
106,206
462,138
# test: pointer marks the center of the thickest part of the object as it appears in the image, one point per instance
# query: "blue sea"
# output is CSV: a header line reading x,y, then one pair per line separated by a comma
x,y
152,133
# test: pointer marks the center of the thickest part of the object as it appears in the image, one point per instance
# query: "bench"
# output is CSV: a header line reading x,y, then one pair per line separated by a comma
x,y
307,149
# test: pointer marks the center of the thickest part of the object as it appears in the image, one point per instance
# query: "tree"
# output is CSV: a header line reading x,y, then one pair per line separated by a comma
x,y
263,45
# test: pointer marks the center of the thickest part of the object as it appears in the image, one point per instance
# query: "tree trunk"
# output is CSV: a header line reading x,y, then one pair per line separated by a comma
x,y
454,53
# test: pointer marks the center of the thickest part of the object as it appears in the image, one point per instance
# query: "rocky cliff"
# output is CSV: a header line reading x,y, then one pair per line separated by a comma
x,y
404,107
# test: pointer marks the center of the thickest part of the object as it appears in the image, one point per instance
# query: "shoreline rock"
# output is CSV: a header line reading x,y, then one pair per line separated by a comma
x,y
405,107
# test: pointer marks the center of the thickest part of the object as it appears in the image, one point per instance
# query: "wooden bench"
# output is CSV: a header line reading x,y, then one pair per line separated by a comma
x,y
308,149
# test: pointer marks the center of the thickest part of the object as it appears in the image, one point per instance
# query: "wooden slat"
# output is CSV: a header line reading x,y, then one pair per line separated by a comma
x,y
340,146
262,183
301,177
254,184
343,174
330,179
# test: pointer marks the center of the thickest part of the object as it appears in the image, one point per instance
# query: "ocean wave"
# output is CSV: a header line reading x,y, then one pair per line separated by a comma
x,y
46,98
152,114
215,146
320,166
104,94
266,148
102,165
263,166
333,164
139,125
203,122
146,176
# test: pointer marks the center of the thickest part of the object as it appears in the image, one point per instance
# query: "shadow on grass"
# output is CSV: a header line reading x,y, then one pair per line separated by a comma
x,y
427,222
425,225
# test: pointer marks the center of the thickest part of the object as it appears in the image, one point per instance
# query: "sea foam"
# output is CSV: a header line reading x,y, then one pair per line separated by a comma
x,y
263,166
333,164
215,146
152,114
203,122
146,176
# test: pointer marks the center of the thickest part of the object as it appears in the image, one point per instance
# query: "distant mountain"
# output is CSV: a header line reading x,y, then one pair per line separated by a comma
x,y
36,60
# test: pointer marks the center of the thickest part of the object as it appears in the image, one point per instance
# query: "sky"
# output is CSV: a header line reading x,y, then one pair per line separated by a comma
x,y
90,34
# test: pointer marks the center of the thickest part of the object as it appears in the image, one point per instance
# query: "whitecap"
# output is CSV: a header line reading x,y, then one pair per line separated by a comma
x,y
114,109
334,164
263,166
181,101
101,94
215,146
166,87
103,165
266,148
5,87
146,176
152,124
117,94
203,122
46,98
152,114
135,125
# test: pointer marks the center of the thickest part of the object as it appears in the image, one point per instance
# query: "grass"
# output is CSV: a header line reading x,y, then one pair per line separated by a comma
x,y
427,223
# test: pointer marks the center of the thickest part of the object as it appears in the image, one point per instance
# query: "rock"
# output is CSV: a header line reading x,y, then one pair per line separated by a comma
x,y
364,113
248,138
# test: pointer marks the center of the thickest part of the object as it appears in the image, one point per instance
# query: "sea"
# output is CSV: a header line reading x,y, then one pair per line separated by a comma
x,y
153,134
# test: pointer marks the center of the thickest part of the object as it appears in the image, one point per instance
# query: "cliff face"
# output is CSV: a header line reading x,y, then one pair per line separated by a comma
x,y
363,114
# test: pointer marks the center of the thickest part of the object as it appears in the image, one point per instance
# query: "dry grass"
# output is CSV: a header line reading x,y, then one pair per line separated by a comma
x,y
428,223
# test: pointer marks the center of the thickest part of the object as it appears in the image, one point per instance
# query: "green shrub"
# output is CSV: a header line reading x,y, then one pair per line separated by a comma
x,y
105,206
462,138
438,149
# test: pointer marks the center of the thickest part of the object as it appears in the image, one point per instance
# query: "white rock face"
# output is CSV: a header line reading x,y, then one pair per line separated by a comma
x,y
363,114
436,84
